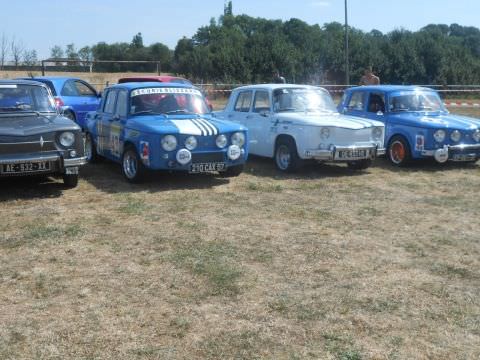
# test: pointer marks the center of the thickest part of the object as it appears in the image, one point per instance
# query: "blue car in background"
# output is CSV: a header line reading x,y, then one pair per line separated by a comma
x,y
417,124
74,97
163,126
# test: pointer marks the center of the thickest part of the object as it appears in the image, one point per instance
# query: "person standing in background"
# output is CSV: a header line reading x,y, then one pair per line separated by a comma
x,y
369,78
277,78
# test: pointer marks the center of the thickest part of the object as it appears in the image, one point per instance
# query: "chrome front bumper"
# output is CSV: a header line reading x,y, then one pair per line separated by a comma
x,y
61,164
332,154
468,152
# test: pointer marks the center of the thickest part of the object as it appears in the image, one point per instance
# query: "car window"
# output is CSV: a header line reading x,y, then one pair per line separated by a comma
x,y
109,106
244,100
122,103
69,89
261,102
357,101
84,90
376,103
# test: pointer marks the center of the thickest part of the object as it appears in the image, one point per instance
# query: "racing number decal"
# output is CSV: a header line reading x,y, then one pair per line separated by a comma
x,y
115,147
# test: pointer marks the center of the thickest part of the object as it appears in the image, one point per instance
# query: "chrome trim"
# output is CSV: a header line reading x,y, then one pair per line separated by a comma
x,y
29,158
464,147
28,142
75,161
382,151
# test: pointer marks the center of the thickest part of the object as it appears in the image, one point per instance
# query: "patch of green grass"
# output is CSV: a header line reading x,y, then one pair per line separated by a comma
x,y
453,271
180,326
216,262
264,187
341,347
133,206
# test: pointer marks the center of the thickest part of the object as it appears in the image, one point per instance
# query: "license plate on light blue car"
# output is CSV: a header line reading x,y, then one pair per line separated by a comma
x,y
351,154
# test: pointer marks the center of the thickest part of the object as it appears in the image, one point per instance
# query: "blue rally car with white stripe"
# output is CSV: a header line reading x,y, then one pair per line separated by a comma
x,y
160,126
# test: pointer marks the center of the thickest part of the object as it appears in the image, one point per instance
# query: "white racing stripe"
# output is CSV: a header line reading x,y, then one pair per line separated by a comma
x,y
188,127
209,125
201,126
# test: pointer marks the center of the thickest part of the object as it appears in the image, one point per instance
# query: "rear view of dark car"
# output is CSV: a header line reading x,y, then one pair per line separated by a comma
x,y
34,138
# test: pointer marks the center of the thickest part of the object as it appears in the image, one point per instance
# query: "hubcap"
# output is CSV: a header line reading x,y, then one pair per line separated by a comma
x,y
130,165
283,157
397,152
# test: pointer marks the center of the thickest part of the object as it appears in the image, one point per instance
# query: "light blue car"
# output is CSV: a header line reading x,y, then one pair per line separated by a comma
x,y
417,124
73,97
163,126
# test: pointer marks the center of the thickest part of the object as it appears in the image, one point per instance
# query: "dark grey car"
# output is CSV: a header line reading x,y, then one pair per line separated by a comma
x,y
34,138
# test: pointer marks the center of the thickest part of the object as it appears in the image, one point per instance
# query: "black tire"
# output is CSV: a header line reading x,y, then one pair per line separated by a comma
x,y
132,166
70,180
359,164
90,149
286,156
233,171
398,151
69,115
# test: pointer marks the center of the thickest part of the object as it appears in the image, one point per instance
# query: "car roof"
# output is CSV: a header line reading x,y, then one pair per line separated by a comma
x,y
152,78
389,88
20,82
140,85
275,86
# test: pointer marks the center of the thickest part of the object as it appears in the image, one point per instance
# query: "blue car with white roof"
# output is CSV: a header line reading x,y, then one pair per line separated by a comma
x,y
163,126
417,124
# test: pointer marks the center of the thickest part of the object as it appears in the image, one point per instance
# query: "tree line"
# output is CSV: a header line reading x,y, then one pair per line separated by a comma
x,y
244,49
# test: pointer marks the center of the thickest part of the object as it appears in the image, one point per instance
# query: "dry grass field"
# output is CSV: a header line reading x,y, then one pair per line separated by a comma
x,y
324,264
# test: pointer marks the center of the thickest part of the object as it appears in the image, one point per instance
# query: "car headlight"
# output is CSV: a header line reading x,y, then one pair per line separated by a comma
x,y
191,142
238,139
476,135
439,135
169,143
377,133
325,133
67,138
221,141
456,136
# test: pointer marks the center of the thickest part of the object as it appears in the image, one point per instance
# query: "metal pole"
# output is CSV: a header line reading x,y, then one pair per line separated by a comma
x,y
43,68
347,67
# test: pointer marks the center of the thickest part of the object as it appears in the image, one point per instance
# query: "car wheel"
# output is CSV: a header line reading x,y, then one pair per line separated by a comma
x,y
90,149
399,151
286,156
70,180
69,115
132,167
359,164
233,171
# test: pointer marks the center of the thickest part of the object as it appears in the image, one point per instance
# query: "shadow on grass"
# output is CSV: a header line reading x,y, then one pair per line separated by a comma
x,y
107,176
426,165
30,187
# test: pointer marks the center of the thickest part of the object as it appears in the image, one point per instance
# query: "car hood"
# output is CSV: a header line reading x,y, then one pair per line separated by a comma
x,y
25,125
436,121
185,124
333,120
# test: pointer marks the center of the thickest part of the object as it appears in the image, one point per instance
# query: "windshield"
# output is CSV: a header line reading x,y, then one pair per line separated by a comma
x,y
167,101
302,99
25,98
415,101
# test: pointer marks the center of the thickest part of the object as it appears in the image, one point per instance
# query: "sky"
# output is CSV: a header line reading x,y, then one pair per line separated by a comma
x,y
42,24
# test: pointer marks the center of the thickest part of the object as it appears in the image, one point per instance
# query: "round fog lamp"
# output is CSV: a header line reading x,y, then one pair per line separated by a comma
x,y
184,156
67,138
441,155
234,152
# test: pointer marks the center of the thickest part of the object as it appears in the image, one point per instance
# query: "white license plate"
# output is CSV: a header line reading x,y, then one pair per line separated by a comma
x,y
26,167
351,154
207,167
463,157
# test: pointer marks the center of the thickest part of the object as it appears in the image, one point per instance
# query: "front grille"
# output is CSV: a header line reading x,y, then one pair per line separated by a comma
x,y
27,144
208,157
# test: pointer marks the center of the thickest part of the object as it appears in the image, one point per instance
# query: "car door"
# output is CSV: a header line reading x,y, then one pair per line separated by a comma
x,y
241,108
375,109
258,122
355,104
104,119
81,97
117,124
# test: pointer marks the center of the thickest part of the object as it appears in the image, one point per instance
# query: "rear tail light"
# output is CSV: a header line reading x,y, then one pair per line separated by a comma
x,y
59,102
